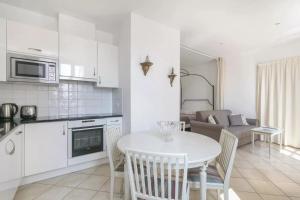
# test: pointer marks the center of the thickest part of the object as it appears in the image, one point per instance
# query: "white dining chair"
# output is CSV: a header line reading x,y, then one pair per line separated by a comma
x,y
116,158
218,175
177,126
156,176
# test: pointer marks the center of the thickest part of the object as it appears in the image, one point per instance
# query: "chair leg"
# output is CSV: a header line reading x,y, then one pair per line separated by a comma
x,y
226,193
112,187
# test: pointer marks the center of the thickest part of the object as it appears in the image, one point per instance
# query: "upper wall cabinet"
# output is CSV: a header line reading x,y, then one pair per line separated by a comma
x,y
23,38
108,66
78,58
2,49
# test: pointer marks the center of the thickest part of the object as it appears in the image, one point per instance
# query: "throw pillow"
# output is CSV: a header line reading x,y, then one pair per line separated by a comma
x,y
244,120
211,119
236,120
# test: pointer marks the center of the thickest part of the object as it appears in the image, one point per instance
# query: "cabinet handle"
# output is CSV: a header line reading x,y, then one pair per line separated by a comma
x,y
94,71
64,132
99,79
10,151
19,132
35,49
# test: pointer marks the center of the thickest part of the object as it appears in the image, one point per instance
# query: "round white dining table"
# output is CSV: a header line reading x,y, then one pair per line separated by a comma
x,y
200,149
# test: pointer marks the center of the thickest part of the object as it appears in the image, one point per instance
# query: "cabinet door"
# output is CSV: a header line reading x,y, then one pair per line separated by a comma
x,y
28,39
2,49
78,58
45,147
11,156
108,65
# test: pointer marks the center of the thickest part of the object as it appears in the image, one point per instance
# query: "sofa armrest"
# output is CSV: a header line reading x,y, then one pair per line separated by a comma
x,y
253,122
207,129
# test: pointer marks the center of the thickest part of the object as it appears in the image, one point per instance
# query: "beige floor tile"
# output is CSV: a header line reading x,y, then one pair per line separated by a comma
x,y
93,182
295,198
240,184
72,180
80,194
247,196
55,193
252,174
290,189
264,187
235,173
104,196
276,176
243,164
273,197
52,181
31,191
102,170
88,171
118,186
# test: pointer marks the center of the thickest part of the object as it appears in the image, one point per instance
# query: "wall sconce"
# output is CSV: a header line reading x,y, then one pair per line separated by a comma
x,y
146,65
172,76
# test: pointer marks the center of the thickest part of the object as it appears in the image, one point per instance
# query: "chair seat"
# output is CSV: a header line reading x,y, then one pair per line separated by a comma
x,y
213,176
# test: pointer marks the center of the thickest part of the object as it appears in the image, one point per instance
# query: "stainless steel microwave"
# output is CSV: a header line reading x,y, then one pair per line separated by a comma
x,y
25,68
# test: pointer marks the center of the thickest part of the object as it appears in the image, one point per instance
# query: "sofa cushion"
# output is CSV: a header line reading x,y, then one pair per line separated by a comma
x,y
241,131
236,120
202,116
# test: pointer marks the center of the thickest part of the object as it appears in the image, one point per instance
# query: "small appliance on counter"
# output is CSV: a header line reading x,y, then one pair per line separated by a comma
x,y
28,112
8,110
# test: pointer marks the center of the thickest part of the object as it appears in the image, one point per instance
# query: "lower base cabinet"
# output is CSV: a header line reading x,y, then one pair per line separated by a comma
x,y
45,147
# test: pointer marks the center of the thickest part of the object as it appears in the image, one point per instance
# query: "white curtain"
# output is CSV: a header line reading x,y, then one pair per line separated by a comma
x,y
278,97
219,104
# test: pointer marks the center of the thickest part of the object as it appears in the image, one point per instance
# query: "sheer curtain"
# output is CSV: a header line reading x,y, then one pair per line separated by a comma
x,y
278,97
220,86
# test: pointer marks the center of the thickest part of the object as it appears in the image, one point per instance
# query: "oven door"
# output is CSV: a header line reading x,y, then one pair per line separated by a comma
x,y
84,141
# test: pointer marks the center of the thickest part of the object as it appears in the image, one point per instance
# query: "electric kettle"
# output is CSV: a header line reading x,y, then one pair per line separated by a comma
x,y
8,110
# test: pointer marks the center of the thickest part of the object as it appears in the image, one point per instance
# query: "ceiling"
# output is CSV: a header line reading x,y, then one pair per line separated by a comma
x,y
212,26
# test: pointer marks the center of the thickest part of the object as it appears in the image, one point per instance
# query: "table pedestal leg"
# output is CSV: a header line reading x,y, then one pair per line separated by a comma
x,y
126,184
203,178
270,141
252,134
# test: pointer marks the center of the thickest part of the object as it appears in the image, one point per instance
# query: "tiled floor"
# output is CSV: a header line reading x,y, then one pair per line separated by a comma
x,y
255,177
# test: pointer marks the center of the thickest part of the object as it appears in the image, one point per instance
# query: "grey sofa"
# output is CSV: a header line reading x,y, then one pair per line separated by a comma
x,y
201,125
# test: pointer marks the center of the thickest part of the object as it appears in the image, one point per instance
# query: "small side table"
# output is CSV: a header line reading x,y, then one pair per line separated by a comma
x,y
268,132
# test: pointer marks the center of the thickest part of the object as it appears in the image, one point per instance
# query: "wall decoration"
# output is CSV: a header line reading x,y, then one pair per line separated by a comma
x,y
172,77
146,65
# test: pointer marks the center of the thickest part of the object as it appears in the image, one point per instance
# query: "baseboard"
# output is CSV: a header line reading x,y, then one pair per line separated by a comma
x,y
59,172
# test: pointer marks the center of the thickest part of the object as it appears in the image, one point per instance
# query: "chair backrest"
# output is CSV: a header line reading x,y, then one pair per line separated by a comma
x,y
225,160
176,126
113,134
157,176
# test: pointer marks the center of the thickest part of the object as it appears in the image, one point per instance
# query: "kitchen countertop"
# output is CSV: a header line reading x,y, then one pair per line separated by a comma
x,y
7,126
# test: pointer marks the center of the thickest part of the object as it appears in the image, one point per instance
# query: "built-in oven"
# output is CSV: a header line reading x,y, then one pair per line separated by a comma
x,y
27,68
86,140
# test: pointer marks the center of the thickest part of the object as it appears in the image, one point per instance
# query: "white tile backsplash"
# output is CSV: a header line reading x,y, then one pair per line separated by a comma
x,y
67,98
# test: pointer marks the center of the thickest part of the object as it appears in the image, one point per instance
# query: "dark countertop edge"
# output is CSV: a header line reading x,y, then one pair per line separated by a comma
x,y
70,118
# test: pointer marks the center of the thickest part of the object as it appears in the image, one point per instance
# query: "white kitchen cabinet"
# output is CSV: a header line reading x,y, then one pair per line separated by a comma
x,y
11,156
108,65
27,39
45,147
2,49
78,58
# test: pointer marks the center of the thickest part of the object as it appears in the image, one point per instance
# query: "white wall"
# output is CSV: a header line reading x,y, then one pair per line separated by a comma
x,y
152,97
148,99
240,75
194,87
